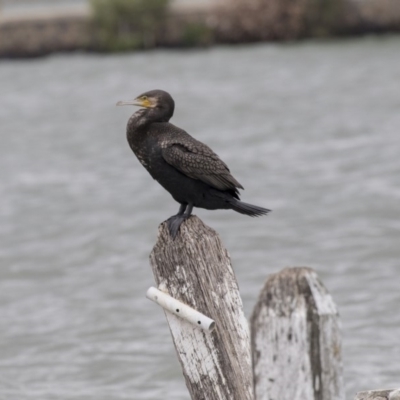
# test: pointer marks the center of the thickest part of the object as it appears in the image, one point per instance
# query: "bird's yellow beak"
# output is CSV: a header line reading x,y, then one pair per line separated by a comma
x,y
136,102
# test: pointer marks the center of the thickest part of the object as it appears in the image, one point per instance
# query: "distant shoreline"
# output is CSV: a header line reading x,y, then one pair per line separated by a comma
x,y
70,28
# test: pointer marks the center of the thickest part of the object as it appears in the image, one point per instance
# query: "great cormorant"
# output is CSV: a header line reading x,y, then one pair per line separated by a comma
x,y
188,169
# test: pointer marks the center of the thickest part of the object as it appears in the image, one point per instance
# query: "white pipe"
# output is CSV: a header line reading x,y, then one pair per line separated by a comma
x,y
181,310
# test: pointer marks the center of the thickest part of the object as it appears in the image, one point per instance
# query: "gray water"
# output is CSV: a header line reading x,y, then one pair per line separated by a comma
x,y
311,130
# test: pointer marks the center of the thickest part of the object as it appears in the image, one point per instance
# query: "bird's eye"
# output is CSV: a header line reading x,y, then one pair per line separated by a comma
x,y
144,97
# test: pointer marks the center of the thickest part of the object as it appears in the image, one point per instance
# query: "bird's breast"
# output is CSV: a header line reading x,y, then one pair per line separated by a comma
x,y
149,155
147,146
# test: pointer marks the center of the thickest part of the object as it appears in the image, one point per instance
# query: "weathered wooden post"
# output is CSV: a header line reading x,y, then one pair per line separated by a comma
x,y
295,338
196,270
392,394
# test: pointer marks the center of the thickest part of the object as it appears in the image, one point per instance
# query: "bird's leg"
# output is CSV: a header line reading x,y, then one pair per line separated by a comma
x,y
176,220
182,209
189,210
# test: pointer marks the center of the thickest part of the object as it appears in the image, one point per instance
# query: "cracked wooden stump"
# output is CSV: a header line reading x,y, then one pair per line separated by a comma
x,y
296,343
196,269
391,394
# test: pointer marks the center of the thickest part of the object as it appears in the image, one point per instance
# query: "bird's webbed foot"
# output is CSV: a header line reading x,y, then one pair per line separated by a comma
x,y
175,221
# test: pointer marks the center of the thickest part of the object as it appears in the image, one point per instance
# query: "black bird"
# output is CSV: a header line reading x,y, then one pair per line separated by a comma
x,y
188,169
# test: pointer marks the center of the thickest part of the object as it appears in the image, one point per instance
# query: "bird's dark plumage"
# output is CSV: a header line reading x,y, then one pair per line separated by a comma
x,y
188,169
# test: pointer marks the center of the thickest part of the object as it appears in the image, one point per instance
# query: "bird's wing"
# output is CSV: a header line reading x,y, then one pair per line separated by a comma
x,y
198,161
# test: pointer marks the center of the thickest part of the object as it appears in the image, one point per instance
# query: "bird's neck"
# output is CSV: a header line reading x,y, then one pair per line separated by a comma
x,y
139,122
136,128
139,119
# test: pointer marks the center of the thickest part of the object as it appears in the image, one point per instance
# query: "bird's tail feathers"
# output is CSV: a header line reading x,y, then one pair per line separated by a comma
x,y
248,209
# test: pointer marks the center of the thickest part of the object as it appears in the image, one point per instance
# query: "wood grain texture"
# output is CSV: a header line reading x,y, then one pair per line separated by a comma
x,y
196,269
296,343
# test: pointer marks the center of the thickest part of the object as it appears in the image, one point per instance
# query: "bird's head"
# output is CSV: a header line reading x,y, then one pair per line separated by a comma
x,y
159,102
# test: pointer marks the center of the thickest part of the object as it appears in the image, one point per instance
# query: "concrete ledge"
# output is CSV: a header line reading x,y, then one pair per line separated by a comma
x,y
62,29
43,33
